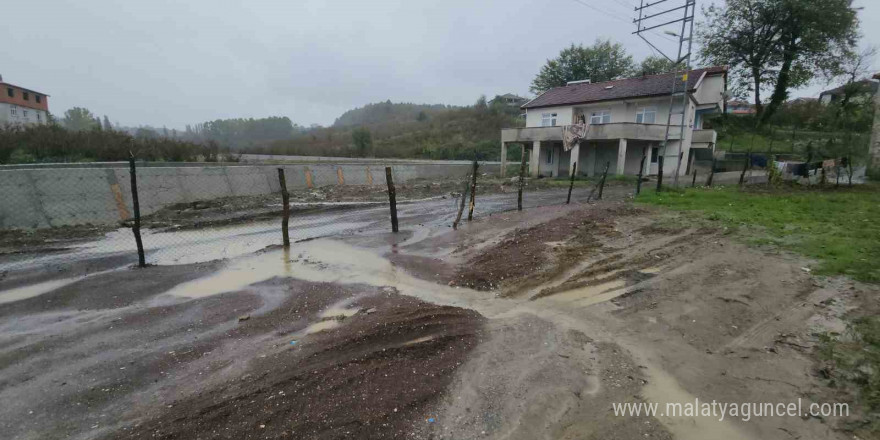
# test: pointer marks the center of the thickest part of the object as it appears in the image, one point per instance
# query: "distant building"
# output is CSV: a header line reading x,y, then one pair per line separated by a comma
x,y
866,88
617,123
801,101
19,105
510,99
740,108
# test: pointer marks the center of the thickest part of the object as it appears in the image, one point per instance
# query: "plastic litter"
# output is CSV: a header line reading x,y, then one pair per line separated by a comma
x,y
431,420
293,342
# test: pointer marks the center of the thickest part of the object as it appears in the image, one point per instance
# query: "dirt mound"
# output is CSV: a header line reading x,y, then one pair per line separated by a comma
x,y
527,257
373,377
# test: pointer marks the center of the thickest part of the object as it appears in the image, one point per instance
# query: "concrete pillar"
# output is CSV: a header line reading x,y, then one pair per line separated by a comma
x,y
503,158
621,156
535,160
575,152
646,153
590,165
555,150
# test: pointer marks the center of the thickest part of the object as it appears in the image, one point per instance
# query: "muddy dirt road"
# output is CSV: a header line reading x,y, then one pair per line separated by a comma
x,y
520,325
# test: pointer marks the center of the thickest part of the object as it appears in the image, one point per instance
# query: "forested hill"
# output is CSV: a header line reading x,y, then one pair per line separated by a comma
x,y
385,112
407,131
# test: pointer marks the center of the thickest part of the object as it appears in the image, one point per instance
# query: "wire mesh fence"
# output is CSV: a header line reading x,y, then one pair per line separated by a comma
x,y
54,216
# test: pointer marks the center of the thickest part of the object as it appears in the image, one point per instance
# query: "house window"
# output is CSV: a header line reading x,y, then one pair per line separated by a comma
x,y
13,110
550,155
11,92
24,113
38,98
26,96
600,117
39,117
655,153
548,119
646,115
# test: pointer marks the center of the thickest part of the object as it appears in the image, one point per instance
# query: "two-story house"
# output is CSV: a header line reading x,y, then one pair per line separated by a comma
x,y
19,105
622,120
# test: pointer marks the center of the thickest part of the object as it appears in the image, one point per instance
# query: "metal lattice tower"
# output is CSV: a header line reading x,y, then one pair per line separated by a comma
x,y
648,12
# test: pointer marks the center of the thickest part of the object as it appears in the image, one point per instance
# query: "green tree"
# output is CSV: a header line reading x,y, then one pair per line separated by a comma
x,y
778,45
78,119
603,61
107,125
363,141
653,65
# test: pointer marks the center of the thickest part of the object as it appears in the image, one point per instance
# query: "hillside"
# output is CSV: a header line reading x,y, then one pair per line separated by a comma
x,y
386,112
409,131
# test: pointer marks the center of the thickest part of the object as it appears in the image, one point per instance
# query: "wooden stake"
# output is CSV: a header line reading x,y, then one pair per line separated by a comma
x,y
574,167
285,213
464,191
522,176
742,175
473,191
660,173
711,173
694,181
641,173
392,199
136,228
602,182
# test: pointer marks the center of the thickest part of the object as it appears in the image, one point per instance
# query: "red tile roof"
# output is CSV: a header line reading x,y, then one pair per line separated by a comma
x,y
641,86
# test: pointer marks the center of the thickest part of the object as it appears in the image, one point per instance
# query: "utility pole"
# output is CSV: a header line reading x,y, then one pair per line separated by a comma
x,y
648,11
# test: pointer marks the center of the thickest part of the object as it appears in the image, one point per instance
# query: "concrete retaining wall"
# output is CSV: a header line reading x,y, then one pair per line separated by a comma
x,y
49,197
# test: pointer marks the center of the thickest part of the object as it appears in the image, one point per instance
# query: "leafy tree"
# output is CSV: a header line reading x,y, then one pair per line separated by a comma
x,y
107,125
603,61
778,44
481,106
363,141
78,119
653,65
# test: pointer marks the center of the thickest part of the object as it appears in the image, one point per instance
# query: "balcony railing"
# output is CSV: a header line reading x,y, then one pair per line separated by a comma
x,y
598,132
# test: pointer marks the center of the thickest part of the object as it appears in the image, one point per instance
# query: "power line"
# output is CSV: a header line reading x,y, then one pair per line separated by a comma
x,y
608,13
627,20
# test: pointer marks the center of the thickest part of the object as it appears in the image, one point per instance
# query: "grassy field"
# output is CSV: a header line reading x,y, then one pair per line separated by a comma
x,y
839,228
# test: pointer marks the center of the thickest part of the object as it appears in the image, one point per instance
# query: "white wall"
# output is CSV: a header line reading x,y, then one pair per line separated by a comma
x,y
711,91
563,115
32,117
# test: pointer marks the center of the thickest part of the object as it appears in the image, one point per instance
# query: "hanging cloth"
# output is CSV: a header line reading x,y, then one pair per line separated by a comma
x,y
573,134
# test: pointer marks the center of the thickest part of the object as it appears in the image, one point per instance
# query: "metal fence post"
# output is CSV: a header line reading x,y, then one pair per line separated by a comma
x,y
136,227
392,199
285,215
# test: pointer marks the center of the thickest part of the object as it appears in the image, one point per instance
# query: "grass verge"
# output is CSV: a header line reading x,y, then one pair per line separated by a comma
x,y
838,228
852,363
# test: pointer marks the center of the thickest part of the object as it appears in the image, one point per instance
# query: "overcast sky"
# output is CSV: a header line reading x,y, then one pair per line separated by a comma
x,y
163,62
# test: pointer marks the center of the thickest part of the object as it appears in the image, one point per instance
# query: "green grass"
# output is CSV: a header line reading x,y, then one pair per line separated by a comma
x,y
852,361
838,228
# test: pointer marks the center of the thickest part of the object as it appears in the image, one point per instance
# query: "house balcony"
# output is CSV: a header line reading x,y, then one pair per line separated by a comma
x,y
601,132
705,136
